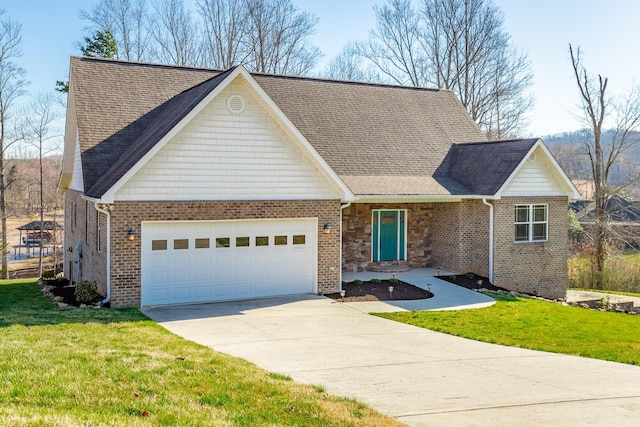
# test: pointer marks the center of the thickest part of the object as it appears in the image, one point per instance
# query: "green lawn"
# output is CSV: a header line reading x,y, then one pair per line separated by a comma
x,y
95,367
538,325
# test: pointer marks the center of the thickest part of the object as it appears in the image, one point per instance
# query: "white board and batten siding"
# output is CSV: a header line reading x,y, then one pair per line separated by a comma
x,y
225,155
536,177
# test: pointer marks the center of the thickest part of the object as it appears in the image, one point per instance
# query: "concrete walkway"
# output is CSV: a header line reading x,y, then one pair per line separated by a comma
x,y
576,296
446,296
415,375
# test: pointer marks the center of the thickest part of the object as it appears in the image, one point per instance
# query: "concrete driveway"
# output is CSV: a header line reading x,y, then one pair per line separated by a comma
x,y
415,375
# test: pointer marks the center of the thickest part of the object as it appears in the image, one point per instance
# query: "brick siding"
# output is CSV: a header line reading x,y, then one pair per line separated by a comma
x,y
461,237
82,229
532,267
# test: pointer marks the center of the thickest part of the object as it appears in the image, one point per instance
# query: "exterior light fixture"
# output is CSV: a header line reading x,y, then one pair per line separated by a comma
x,y
429,287
390,292
131,234
327,228
342,294
438,270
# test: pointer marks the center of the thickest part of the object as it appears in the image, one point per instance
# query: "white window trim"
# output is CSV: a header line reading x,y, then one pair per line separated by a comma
x,y
531,222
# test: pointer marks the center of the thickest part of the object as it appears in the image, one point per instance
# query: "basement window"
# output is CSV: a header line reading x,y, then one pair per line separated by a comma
x,y
531,223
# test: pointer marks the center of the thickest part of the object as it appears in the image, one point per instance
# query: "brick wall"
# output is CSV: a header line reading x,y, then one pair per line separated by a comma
x,y
356,234
126,255
461,236
532,267
80,227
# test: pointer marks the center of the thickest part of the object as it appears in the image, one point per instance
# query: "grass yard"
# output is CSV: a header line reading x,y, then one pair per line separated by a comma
x,y
538,325
98,367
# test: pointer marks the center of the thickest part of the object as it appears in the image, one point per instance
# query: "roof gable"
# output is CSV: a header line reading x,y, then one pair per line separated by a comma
x,y
150,128
225,153
539,174
482,167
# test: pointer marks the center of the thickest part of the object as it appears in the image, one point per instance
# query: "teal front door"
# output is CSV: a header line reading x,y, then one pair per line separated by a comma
x,y
388,235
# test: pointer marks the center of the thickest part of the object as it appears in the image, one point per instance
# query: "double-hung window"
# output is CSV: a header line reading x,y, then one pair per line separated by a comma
x,y
531,223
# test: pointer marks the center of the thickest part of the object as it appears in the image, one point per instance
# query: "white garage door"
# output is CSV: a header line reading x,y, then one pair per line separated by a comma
x,y
198,261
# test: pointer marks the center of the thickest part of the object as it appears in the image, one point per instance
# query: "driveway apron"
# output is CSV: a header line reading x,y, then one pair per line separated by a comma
x,y
417,376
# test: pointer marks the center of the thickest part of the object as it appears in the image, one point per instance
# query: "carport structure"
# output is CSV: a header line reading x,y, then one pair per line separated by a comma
x,y
37,231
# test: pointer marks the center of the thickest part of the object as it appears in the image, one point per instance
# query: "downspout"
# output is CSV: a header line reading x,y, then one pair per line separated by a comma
x,y
484,200
107,212
342,207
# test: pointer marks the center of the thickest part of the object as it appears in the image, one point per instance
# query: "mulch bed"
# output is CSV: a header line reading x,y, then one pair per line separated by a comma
x,y
471,281
370,291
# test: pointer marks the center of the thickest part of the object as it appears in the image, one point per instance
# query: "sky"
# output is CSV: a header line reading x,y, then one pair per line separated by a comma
x,y
606,31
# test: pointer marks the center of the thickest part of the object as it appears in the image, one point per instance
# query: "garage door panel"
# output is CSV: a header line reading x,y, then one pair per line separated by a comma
x,y
202,293
208,261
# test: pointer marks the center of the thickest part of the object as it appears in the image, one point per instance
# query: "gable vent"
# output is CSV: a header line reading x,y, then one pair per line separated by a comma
x,y
235,104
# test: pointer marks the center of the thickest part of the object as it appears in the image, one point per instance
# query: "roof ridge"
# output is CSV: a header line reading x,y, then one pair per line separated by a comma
x,y
268,75
148,64
349,82
497,141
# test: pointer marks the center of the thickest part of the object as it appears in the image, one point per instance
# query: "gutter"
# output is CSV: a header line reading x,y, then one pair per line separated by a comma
x,y
484,200
107,212
342,207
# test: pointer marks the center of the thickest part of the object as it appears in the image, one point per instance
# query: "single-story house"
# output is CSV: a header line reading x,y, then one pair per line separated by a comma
x,y
190,185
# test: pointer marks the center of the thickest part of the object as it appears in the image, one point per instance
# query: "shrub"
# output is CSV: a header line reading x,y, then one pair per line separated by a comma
x,y
469,275
393,280
87,292
375,280
357,282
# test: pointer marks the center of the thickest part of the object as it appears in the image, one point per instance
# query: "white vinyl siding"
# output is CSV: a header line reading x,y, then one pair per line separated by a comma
x,y
222,155
77,182
536,177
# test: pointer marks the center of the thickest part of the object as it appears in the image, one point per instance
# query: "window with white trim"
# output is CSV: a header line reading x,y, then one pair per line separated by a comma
x,y
531,223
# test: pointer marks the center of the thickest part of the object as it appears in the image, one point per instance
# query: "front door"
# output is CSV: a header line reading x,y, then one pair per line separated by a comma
x,y
388,232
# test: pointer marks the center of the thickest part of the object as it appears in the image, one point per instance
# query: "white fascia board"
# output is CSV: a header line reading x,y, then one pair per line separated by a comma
x,y
573,194
369,198
109,195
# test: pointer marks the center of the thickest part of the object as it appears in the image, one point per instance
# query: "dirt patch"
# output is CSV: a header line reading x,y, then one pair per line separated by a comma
x,y
374,291
471,281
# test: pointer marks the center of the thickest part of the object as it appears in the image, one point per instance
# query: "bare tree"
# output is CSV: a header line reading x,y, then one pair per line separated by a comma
x,y
39,132
278,38
395,47
599,111
176,34
127,21
225,25
349,65
12,86
458,45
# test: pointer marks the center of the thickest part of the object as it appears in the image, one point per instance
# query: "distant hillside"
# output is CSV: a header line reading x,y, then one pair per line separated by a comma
x,y
570,151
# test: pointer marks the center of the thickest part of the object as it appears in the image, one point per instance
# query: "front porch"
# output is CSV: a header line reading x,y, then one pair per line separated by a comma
x,y
398,237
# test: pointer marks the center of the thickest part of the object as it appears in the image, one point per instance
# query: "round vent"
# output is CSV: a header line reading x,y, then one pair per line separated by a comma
x,y
235,104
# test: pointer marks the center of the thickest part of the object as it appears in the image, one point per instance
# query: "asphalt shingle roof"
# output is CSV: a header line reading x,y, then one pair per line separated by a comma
x,y
483,167
379,139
